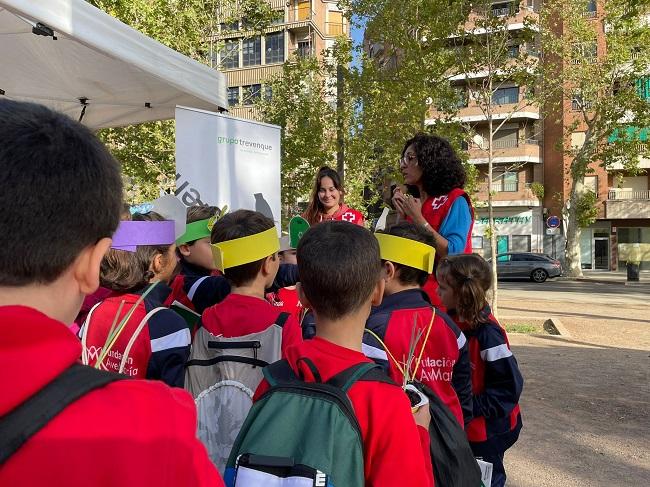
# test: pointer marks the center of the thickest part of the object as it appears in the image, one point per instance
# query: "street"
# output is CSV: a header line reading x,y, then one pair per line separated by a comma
x,y
586,398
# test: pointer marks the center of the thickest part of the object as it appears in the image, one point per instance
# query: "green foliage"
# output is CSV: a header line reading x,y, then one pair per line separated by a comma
x,y
587,209
537,189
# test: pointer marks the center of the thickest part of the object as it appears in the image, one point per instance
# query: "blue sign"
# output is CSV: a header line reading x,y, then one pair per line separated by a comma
x,y
553,222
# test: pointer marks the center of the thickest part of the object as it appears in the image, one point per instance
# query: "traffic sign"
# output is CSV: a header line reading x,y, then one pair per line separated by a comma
x,y
553,221
552,231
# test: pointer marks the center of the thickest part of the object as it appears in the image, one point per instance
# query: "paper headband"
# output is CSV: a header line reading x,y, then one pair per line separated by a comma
x,y
195,231
244,250
131,234
406,252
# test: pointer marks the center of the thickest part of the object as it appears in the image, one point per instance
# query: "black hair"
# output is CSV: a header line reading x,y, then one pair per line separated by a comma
x,y
61,192
241,223
405,274
442,170
339,266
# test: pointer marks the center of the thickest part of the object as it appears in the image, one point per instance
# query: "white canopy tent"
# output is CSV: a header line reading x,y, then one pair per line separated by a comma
x,y
79,60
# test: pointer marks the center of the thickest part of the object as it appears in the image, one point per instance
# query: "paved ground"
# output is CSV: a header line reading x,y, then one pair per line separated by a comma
x,y
586,401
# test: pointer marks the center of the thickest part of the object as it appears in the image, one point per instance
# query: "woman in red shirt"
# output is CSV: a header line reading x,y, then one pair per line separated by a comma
x,y
327,200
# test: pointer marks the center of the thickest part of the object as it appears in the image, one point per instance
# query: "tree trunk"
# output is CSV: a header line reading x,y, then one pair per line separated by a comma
x,y
491,227
573,230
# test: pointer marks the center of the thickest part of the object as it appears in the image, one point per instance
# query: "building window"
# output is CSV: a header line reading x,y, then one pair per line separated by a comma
x,y
578,103
233,95
252,93
229,26
278,17
252,51
477,242
578,140
585,52
461,97
230,55
304,9
334,23
506,139
590,10
505,96
513,51
304,49
505,182
274,48
520,243
505,9
268,92
591,184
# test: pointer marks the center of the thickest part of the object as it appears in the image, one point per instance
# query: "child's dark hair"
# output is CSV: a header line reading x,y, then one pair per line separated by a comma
x,y
123,271
61,192
442,169
315,206
470,276
241,223
410,275
339,267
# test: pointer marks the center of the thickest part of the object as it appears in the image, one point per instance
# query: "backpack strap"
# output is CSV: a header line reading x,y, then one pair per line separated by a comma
x,y
282,319
129,345
23,422
279,371
369,372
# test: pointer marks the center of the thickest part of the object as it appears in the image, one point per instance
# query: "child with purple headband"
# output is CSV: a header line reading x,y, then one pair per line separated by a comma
x,y
131,331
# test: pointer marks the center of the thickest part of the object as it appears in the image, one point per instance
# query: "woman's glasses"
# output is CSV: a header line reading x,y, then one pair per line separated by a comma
x,y
408,160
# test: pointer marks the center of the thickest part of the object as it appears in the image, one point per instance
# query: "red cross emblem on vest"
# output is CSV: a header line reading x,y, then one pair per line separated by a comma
x,y
348,216
438,202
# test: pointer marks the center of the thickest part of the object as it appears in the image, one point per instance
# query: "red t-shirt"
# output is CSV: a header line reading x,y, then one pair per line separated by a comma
x,y
286,299
130,432
240,315
395,449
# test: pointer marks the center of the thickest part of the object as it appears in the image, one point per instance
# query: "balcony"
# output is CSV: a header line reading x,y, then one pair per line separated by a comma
x,y
627,204
507,151
508,193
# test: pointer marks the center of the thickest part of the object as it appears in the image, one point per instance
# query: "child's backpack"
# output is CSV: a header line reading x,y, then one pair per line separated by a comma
x,y
453,462
302,433
222,375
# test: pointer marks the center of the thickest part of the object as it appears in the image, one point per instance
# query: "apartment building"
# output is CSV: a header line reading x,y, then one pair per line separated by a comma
x,y
518,147
623,222
249,59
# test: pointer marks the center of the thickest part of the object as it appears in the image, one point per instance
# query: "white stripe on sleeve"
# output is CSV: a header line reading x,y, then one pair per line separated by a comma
x,y
180,338
372,352
461,340
195,287
496,353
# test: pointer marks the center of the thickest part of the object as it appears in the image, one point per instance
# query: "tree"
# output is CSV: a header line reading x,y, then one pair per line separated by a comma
x,y
497,68
607,86
146,151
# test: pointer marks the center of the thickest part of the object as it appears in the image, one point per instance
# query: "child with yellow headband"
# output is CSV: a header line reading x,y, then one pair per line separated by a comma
x,y
407,255
199,284
239,336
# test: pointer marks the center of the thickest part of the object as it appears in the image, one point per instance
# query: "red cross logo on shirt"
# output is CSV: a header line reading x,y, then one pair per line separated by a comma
x,y
348,216
437,203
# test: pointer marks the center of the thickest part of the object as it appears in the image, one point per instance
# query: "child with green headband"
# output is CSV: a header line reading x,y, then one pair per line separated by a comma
x,y
198,284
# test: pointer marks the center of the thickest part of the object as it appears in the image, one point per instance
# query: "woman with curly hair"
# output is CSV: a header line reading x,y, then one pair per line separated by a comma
x,y
327,200
435,200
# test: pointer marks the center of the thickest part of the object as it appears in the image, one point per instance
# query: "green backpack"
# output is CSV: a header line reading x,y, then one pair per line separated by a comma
x,y
304,430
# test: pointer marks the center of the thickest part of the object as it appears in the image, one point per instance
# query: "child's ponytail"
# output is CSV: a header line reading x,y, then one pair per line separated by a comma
x,y
470,277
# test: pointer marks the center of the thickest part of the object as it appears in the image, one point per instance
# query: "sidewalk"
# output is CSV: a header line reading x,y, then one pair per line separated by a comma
x,y
610,277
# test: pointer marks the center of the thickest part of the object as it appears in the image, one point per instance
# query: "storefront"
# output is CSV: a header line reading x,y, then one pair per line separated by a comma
x,y
519,229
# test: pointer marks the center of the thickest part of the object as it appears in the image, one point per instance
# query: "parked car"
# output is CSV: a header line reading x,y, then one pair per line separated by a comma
x,y
536,267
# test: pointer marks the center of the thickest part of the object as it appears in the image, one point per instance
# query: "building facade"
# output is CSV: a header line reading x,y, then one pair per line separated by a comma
x,y
622,226
517,147
250,59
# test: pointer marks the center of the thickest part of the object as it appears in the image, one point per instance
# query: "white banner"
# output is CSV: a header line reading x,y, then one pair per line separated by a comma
x,y
221,160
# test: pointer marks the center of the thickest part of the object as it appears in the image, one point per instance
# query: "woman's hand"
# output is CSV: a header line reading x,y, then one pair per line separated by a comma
x,y
408,206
